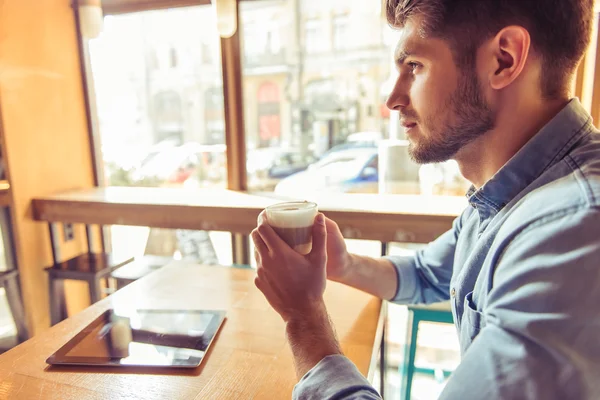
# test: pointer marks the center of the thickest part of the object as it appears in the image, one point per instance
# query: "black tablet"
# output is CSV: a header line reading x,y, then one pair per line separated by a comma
x,y
144,338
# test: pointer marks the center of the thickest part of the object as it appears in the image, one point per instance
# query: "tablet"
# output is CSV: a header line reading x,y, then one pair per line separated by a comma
x,y
143,338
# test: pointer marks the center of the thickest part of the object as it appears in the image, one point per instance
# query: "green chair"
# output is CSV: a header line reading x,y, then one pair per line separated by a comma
x,y
432,313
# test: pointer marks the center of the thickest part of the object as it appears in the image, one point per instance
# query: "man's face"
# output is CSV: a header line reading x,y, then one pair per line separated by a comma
x,y
441,105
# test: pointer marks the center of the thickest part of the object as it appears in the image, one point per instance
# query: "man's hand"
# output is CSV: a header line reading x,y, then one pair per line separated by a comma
x,y
294,285
375,276
338,258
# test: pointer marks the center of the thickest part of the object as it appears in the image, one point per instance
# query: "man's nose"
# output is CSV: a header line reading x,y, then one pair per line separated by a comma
x,y
399,98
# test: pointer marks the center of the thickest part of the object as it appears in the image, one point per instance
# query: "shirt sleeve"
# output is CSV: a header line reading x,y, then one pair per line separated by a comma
x,y
335,377
541,325
425,278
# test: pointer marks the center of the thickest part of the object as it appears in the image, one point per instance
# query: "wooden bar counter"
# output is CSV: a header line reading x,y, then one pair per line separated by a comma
x,y
387,218
249,358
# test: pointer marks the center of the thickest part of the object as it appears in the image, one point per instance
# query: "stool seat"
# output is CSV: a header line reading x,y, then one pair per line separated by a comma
x,y
86,266
443,306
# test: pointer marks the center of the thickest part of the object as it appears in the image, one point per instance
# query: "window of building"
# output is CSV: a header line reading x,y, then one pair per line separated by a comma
x,y
314,36
341,39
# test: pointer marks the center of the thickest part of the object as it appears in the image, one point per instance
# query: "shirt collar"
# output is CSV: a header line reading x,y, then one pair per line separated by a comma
x,y
544,150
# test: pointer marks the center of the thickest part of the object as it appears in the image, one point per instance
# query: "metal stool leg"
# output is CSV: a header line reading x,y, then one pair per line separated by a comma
x,y
408,365
15,303
95,290
58,307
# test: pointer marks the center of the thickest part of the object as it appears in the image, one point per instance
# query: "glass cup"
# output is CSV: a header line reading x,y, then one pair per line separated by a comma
x,y
293,222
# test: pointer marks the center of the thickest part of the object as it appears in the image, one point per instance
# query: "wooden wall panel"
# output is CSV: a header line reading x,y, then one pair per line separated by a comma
x,y
45,134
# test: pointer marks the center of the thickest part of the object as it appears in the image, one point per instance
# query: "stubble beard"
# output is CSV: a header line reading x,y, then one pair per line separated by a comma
x,y
472,119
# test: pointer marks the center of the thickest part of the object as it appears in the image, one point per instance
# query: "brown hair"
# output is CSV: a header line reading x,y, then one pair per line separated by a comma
x,y
560,29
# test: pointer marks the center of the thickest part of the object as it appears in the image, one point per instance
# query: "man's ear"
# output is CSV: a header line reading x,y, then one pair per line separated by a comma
x,y
509,52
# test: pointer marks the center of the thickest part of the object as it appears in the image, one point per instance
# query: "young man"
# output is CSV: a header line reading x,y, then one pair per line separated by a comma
x,y
485,83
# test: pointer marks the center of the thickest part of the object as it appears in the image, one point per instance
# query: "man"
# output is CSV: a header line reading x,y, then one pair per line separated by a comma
x,y
485,83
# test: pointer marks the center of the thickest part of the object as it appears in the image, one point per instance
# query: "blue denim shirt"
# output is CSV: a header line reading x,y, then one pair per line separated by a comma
x,y
521,268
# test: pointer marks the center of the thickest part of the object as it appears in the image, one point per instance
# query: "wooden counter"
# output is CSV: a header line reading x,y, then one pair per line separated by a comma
x,y
249,358
387,218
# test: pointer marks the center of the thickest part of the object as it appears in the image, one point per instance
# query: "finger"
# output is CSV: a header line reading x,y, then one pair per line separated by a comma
x,y
332,227
270,238
259,243
260,285
262,217
257,257
319,245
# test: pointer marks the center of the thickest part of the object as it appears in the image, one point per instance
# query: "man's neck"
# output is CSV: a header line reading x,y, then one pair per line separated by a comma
x,y
482,159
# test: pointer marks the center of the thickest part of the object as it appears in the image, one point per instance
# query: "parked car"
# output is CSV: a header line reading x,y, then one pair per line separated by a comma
x,y
177,164
357,140
268,166
344,171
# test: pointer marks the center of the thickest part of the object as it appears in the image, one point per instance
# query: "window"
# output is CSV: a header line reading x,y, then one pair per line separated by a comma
x,y
315,41
262,38
159,96
340,32
148,114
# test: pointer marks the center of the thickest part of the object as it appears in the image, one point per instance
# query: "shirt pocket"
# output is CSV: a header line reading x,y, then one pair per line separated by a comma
x,y
472,322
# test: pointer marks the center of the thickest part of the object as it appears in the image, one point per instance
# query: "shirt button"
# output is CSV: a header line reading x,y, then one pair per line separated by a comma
x,y
453,293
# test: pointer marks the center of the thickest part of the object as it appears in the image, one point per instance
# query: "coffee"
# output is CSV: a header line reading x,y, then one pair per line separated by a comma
x,y
293,222
298,238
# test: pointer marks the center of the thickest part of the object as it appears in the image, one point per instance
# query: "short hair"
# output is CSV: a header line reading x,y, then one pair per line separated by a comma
x,y
560,30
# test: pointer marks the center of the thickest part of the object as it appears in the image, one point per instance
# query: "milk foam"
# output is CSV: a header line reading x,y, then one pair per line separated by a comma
x,y
292,215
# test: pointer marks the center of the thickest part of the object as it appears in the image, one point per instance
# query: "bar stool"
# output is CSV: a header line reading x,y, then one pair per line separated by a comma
x,y
89,267
138,269
441,313
10,282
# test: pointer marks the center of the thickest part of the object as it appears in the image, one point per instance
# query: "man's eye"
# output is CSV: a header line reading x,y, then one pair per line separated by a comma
x,y
413,66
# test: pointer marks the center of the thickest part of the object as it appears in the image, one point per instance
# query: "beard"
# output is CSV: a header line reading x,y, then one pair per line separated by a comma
x,y
473,118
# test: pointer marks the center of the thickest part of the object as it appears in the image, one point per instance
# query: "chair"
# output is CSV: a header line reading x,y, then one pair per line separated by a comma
x,y
433,313
89,267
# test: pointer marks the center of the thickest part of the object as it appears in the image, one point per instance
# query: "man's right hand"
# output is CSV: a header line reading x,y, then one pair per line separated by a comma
x,y
338,258
375,276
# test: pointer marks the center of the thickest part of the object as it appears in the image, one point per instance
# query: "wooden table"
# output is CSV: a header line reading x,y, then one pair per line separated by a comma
x,y
249,358
386,218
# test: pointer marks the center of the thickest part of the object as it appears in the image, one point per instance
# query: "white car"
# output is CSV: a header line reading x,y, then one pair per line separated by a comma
x,y
345,171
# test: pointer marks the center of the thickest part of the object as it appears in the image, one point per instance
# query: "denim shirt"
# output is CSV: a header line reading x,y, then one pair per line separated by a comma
x,y
521,268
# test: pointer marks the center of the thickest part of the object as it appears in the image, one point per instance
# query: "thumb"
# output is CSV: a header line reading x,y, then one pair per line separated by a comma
x,y
319,240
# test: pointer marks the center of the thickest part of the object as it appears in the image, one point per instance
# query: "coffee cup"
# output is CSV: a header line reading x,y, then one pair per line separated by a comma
x,y
293,222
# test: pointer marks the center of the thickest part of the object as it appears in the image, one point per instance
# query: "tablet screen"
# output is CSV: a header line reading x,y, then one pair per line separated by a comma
x,y
177,338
